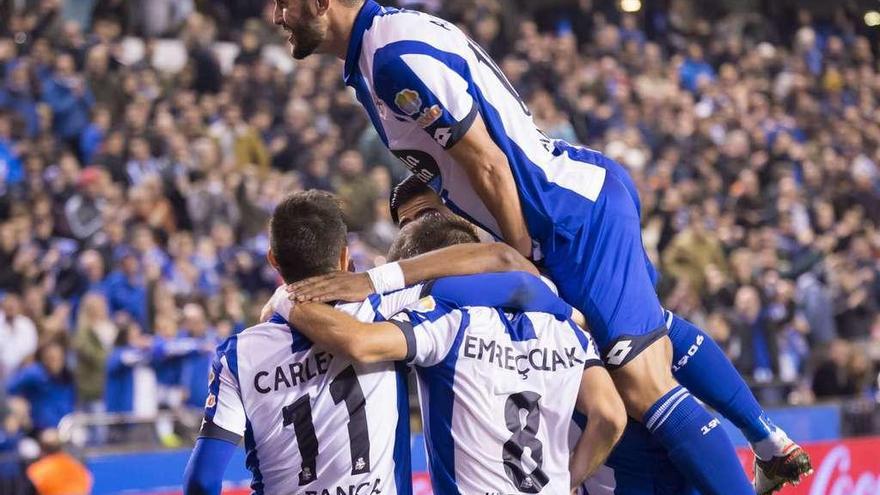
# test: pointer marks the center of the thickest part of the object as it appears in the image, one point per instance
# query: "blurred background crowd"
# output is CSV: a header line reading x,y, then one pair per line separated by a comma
x,y
143,145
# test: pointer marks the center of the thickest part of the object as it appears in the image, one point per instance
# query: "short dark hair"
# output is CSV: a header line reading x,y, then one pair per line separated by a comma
x,y
307,234
430,232
408,188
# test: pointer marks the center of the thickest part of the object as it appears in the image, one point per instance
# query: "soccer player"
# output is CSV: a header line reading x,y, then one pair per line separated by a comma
x,y
446,110
312,422
497,389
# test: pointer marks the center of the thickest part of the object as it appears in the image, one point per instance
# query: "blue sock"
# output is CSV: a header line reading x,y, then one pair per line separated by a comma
x,y
697,444
703,368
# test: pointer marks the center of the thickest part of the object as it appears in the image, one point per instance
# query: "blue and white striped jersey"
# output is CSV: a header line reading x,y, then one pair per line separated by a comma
x,y
314,423
423,81
497,394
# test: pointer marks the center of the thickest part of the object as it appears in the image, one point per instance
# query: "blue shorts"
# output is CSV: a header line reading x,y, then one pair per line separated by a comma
x,y
638,465
603,270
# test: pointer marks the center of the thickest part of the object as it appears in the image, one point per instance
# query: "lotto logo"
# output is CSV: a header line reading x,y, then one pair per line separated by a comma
x,y
442,135
619,352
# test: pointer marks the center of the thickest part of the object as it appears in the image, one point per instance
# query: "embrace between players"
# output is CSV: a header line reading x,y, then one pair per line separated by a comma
x,y
319,393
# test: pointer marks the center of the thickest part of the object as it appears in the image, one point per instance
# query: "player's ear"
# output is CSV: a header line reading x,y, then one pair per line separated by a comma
x,y
321,6
270,257
345,261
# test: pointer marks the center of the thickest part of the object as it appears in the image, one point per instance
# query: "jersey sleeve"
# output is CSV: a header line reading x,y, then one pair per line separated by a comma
x,y
391,303
430,328
428,88
224,411
518,291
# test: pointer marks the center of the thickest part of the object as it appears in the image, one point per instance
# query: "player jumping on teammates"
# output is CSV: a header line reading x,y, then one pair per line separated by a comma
x,y
313,422
446,110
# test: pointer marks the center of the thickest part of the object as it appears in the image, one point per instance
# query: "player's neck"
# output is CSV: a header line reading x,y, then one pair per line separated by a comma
x,y
339,32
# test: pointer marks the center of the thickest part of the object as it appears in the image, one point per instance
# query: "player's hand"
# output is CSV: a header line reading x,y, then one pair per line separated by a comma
x,y
336,286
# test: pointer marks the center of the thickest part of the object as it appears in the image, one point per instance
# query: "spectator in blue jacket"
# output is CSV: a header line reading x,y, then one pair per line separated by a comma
x,y
47,385
171,349
126,288
17,96
695,68
11,166
70,99
93,135
132,351
197,364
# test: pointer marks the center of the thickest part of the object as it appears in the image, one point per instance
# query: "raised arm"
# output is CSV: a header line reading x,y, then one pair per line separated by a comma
x,y
461,259
606,419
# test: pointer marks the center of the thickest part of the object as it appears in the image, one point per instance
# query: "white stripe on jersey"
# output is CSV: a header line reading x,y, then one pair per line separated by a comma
x,y
313,421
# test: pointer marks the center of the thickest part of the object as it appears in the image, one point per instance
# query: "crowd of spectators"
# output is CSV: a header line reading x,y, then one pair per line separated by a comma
x,y
133,197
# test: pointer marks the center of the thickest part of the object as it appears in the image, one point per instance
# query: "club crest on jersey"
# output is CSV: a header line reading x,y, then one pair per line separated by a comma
x,y
408,101
429,116
211,401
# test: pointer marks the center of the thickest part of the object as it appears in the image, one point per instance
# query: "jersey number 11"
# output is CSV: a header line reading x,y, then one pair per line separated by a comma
x,y
344,388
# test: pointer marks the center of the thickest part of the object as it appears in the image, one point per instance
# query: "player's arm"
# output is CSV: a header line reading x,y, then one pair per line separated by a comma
x,y
222,428
490,175
204,471
461,259
341,333
606,418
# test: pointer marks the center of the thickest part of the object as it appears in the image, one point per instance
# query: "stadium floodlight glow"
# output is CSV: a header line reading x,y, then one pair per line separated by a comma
x,y
872,18
630,5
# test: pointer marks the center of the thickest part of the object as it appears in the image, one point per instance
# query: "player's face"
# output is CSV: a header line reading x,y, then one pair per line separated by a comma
x,y
420,205
306,29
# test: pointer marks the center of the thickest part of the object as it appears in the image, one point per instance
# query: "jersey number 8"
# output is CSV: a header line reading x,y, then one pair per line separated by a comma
x,y
524,435
344,388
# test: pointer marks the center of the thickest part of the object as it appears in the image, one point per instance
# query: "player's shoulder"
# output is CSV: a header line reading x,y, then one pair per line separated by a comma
x,y
410,31
254,336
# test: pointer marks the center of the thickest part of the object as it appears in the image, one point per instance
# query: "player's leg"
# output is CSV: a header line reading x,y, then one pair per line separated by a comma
x,y
612,286
779,459
701,366
693,438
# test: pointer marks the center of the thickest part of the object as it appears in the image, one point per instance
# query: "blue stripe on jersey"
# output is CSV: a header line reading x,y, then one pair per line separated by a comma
x,y
402,457
251,461
214,385
216,367
439,380
351,74
376,302
362,92
582,338
300,342
232,355
519,326
362,22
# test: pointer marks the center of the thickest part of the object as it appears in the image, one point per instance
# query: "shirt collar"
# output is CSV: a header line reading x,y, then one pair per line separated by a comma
x,y
362,22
